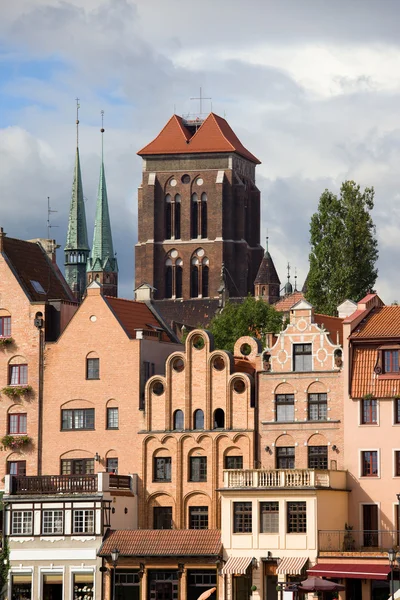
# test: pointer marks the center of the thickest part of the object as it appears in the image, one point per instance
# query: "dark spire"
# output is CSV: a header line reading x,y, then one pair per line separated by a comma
x,y
102,264
77,247
266,283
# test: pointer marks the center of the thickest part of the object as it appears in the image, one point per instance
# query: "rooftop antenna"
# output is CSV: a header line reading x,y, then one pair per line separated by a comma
x,y
77,121
295,279
49,211
102,133
201,98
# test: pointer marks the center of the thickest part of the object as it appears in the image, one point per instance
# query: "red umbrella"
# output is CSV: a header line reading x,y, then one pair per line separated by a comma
x,y
317,584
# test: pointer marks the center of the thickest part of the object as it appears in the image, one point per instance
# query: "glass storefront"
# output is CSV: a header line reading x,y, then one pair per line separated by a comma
x,y
163,585
83,586
21,587
200,580
52,586
127,585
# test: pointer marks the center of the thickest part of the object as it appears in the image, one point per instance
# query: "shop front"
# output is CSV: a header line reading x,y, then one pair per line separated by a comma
x,y
363,580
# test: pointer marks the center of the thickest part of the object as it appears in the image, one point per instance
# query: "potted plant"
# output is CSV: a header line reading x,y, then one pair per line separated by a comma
x,y
17,391
6,341
15,442
348,539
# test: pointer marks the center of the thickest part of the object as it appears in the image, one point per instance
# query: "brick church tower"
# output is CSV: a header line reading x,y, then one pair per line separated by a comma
x,y
198,209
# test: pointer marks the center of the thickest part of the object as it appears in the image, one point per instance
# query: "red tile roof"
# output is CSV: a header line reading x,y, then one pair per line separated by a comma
x,y
353,316
332,324
366,298
134,315
163,542
365,381
213,135
30,263
381,322
286,303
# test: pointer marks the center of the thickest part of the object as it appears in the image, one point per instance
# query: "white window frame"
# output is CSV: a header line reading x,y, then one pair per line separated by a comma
x,y
21,571
24,512
85,511
52,510
378,416
360,464
79,571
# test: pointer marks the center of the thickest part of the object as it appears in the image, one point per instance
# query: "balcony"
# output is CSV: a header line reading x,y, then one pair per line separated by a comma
x,y
67,484
349,541
284,478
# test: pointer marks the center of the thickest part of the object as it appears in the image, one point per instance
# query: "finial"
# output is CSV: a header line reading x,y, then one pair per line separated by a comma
x,y
266,244
295,279
77,121
102,132
288,271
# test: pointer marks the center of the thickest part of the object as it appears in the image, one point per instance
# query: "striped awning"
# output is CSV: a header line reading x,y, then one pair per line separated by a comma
x,y
291,565
236,565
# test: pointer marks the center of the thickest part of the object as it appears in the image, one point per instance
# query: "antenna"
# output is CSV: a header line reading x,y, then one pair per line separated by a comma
x,y
77,121
288,271
295,279
49,212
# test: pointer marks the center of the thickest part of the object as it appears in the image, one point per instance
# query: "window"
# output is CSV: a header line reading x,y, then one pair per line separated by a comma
x,y
21,522
219,419
177,216
285,457
5,326
194,281
168,281
52,521
83,586
397,411
162,469
79,418
284,406
112,418
18,374
178,419
83,521
397,463
391,361
77,466
369,463
194,225
203,215
198,419
302,357
162,517
16,467
204,281
317,457
297,517
92,368
269,517
198,517
112,465
369,411
317,407
178,278
17,423
198,468
168,217
233,462
242,517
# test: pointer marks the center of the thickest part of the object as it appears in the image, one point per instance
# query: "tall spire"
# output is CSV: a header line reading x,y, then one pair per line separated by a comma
x,y
267,283
77,247
102,265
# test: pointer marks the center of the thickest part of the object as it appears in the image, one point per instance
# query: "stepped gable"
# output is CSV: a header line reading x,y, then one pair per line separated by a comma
x,y
213,136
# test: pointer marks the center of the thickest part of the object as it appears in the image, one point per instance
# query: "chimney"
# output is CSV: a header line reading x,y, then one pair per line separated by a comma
x,y
49,246
2,236
144,293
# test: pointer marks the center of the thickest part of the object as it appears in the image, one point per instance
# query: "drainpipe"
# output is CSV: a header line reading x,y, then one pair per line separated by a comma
x,y
257,457
39,324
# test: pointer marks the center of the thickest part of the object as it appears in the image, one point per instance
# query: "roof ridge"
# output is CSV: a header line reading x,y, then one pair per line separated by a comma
x,y
222,133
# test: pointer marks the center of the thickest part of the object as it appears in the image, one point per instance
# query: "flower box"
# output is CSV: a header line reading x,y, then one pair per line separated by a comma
x,y
15,442
6,341
17,391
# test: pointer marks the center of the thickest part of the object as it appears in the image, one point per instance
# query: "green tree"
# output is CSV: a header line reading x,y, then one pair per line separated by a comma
x,y
251,317
344,249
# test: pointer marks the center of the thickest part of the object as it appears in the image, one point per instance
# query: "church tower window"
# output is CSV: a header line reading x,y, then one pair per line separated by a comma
x,y
204,215
168,217
177,219
194,216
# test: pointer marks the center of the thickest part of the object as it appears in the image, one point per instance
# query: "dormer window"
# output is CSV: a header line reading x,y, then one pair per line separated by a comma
x,y
391,361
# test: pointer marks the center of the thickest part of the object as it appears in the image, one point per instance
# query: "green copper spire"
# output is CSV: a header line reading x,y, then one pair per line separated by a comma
x,y
77,247
102,263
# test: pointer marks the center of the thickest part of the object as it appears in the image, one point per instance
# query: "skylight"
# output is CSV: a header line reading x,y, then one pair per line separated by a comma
x,y
37,287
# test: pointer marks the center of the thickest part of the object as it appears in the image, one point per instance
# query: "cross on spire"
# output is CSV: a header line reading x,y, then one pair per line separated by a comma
x,y
201,98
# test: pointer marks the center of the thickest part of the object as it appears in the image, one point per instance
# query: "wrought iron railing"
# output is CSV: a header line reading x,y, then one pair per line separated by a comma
x,y
54,484
350,540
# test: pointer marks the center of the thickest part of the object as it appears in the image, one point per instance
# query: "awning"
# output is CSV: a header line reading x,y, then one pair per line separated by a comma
x,y
291,565
347,571
236,565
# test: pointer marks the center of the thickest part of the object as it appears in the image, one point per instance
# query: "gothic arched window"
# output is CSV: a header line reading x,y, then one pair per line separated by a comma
x,y
204,278
168,278
177,217
173,275
194,216
198,419
178,278
204,215
219,419
168,217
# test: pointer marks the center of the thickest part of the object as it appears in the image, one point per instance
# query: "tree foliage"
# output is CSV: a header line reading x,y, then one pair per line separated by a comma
x,y
251,317
344,249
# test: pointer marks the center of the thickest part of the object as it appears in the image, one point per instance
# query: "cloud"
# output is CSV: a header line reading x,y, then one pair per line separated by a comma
x,y
310,88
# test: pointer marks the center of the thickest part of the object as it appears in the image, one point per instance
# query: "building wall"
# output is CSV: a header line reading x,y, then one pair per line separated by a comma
x,y
95,332
192,382
281,378
24,350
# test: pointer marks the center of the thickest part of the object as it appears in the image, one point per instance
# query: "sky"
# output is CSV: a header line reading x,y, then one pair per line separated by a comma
x,y
311,87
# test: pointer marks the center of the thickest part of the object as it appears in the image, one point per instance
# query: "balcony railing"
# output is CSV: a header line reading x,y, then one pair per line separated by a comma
x,y
349,540
284,478
120,482
54,484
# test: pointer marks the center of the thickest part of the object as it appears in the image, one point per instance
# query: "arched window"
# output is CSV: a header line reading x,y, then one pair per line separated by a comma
x,y
168,217
204,278
198,419
194,225
219,419
178,419
177,220
204,215
168,278
194,278
178,278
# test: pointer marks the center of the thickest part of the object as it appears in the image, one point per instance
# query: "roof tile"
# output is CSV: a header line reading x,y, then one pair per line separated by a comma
x,y
135,315
365,381
381,322
163,542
